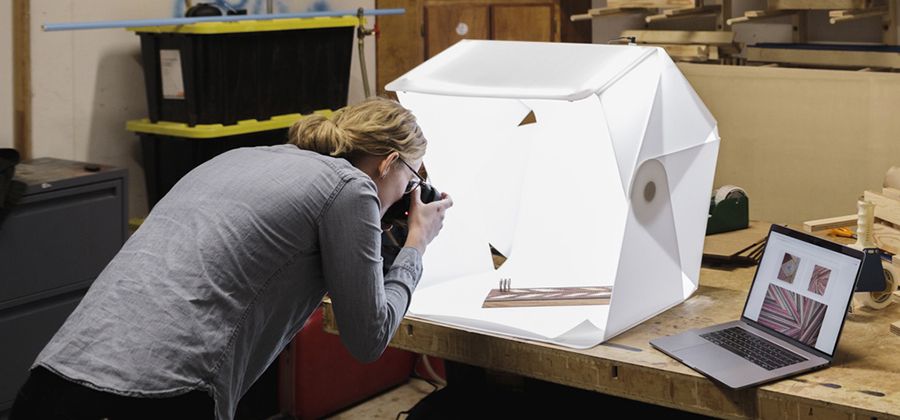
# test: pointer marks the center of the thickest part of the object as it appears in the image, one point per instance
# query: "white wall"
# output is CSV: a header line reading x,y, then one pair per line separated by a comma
x,y
6,95
87,84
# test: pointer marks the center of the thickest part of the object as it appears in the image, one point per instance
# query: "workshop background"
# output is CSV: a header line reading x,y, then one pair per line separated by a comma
x,y
803,133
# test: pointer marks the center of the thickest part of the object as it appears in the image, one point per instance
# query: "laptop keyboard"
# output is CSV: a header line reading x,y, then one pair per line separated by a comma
x,y
758,350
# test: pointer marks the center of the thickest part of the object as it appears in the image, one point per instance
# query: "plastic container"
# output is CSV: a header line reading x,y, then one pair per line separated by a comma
x,y
171,150
225,72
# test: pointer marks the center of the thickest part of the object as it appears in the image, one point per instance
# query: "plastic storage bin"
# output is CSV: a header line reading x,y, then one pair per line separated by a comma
x,y
225,72
171,150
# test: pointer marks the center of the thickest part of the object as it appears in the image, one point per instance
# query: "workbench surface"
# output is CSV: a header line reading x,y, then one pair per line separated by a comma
x,y
863,382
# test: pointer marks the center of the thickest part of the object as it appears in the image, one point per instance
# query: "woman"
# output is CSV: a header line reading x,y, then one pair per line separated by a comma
x,y
231,262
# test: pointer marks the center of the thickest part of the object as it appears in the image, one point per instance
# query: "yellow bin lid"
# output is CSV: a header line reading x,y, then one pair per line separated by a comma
x,y
211,28
208,131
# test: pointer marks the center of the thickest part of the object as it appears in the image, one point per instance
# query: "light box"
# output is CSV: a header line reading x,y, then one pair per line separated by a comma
x,y
608,186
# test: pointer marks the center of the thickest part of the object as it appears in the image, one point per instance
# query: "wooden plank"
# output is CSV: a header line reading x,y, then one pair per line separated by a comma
x,y
627,366
681,37
758,14
895,328
547,296
891,193
886,209
653,4
528,22
669,14
724,14
688,52
399,45
838,16
824,58
889,24
21,32
886,238
817,4
830,223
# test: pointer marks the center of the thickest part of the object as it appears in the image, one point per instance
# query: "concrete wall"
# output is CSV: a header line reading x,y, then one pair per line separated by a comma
x,y
87,84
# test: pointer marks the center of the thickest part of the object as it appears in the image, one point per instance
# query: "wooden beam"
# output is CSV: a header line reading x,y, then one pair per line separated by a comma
x,y
889,24
691,52
824,58
653,4
818,4
21,32
886,209
891,193
606,11
758,14
838,16
681,37
683,13
829,223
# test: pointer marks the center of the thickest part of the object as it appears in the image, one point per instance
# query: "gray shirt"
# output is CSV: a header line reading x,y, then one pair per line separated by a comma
x,y
224,272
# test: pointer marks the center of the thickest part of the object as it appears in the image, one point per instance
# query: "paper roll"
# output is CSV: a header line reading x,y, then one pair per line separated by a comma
x,y
729,191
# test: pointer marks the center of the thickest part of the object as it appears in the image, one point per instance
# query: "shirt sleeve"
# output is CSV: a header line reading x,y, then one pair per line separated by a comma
x,y
368,304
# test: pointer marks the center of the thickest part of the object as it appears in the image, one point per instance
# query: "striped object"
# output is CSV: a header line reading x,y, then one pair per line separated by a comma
x,y
547,296
788,268
819,280
793,315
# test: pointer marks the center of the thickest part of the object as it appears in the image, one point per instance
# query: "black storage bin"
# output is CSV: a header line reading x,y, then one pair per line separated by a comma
x,y
167,158
233,71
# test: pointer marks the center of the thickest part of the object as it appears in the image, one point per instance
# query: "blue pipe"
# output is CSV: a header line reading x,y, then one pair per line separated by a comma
x,y
48,27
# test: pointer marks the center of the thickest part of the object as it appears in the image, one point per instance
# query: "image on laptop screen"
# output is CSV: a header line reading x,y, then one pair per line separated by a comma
x,y
801,290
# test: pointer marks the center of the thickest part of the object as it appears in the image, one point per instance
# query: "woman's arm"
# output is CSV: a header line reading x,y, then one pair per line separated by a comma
x,y
368,306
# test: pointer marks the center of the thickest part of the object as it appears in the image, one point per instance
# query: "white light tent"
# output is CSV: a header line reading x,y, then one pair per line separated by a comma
x,y
609,186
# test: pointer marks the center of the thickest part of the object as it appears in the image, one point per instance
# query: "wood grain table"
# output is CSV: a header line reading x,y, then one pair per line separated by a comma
x,y
863,382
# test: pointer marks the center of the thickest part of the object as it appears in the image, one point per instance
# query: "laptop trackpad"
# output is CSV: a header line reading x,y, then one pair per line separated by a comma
x,y
709,357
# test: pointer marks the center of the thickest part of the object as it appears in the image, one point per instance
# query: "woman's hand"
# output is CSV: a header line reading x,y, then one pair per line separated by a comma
x,y
425,220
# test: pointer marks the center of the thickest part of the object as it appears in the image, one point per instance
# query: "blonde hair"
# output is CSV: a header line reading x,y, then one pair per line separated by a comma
x,y
376,126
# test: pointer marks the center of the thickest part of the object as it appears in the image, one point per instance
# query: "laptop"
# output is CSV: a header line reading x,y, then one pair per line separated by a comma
x,y
792,318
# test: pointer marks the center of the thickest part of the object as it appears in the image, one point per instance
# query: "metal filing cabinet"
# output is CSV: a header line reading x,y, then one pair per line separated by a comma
x,y
69,224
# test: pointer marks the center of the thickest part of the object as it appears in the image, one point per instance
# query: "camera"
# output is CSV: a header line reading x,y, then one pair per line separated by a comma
x,y
400,210
394,224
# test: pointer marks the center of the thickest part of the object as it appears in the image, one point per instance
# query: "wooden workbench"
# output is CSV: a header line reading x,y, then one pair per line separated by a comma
x,y
863,382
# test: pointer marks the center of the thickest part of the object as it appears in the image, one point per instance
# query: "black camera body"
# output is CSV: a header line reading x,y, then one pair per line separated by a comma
x,y
400,210
396,227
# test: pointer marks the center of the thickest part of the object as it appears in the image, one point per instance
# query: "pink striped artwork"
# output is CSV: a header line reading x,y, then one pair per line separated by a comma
x,y
793,315
819,280
789,266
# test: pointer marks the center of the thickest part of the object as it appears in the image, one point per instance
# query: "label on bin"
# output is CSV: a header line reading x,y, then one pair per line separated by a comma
x,y
170,72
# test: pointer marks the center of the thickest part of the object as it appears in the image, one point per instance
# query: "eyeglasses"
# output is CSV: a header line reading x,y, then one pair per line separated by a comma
x,y
413,183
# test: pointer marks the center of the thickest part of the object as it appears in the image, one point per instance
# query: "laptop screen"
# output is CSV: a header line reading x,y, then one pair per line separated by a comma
x,y
802,290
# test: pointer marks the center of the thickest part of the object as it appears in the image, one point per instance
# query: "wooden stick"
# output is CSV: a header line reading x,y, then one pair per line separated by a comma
x,y
682,13
605,11
848,15
829,223
21,32
759,14
681,37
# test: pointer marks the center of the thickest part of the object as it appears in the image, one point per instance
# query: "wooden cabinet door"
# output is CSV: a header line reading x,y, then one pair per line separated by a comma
x,y
446,24
523,22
